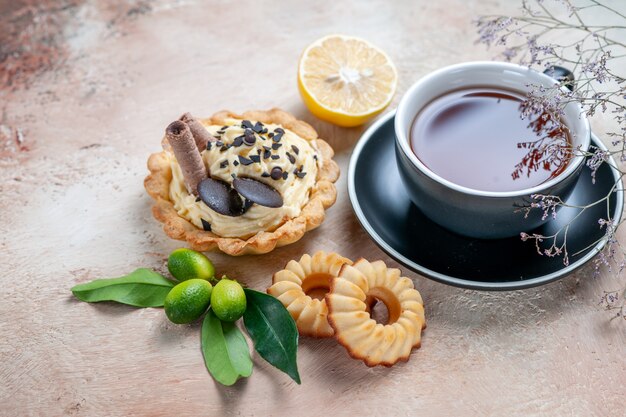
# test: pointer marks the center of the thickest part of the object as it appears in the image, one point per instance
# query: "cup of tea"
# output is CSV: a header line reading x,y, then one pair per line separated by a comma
x,y
471,155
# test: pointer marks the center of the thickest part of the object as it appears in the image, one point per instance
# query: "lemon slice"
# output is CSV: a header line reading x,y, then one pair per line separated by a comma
x,y
346,80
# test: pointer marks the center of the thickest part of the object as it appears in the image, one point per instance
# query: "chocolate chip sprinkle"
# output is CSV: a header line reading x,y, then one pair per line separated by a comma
x,y
209,144
219,143
279,130
276,173
198,199
255,158
247,124
271,134
205,225
264,131
249,138
238,141
291,158
275,156
295,149
258,192
244,160
265,175
315,157
267,154
275,146
258,127
285,175
235,163
277,137
298,172
224,163
225,127
226,147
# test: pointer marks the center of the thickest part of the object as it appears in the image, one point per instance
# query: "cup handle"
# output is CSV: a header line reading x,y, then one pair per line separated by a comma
x,y
562,75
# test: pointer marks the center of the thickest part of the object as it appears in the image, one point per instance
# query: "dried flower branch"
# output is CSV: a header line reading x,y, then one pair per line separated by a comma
x,y
595,52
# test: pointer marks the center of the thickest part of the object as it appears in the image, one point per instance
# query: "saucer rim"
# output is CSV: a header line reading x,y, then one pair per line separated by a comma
x,y
460,282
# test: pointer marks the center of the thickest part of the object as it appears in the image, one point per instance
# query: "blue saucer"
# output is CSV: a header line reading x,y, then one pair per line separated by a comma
x,y
383,208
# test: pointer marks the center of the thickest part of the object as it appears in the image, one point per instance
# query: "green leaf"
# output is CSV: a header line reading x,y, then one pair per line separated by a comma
x,y
273,331
225,350
141,288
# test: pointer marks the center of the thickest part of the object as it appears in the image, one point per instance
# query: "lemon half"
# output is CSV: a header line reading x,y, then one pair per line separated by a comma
x,y
346,80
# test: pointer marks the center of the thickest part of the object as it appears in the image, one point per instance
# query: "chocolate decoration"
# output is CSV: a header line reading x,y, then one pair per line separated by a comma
x,y
276,173
187,154
243,160
220,197
249,138
238,141
258,127
246,124
275,146
200,135
291,158
205,225
295,149
258,192
247,204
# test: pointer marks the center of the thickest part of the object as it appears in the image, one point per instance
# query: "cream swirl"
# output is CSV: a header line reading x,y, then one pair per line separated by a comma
x,y
234,155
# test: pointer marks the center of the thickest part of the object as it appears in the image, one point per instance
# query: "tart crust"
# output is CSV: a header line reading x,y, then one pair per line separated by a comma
x,y
322,195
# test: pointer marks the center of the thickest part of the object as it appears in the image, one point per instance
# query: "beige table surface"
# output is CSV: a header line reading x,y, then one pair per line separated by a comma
x,y
87,90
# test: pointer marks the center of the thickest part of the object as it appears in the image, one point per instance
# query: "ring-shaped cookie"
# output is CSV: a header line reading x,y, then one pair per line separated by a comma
x,y
301,287
351,293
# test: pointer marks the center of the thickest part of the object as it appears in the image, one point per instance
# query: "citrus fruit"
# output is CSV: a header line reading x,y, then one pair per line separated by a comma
x,y
228,301
186,264
188,300
346,80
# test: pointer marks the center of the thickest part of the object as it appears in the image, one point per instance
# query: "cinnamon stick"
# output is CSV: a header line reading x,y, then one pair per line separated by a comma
x,y
199,132
187,154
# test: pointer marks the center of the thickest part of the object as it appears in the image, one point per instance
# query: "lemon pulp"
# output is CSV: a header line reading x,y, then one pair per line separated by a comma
x,y
346,80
